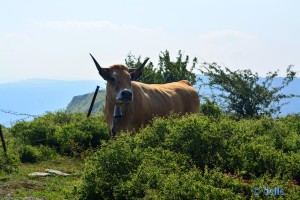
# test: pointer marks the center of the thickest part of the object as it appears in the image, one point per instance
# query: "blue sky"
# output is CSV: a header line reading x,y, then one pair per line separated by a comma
x,y
53,39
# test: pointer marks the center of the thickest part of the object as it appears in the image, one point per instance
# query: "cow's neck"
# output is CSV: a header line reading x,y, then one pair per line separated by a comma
x,y
117,112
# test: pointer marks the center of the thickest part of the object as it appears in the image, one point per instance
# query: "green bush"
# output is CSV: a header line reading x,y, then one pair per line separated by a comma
x,y
198,137
209,108
189,157
34,154
9,162
30,154
122,170
197,157
68,133
47,152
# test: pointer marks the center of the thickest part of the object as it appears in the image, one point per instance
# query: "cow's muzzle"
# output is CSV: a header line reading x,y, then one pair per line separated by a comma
x,y
125,96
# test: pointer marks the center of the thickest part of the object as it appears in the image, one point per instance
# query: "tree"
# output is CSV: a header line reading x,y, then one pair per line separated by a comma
x,y
150,74
167,70
245,94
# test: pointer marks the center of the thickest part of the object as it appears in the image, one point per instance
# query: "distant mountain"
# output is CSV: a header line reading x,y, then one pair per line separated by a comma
x,y
38,96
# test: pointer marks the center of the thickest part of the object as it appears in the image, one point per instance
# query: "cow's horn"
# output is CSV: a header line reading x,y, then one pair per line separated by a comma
x,y
96,63
143,64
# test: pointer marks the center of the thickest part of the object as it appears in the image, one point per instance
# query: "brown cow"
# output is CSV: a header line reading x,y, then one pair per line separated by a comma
x,y
130,104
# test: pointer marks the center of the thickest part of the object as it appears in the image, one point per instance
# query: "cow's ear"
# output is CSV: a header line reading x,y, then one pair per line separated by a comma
x,y
104,73
135,74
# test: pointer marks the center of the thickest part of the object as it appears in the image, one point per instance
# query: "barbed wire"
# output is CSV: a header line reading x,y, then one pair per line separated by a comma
x,y
17,113
11,122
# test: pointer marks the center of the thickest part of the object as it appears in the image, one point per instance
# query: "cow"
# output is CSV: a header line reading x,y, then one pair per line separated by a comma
x,y
129,105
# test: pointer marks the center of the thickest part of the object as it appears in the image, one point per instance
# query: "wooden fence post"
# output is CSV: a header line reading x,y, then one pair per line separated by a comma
x,y
93,101
2,139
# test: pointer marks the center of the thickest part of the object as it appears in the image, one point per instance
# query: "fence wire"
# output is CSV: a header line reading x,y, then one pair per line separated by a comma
x,y
26,116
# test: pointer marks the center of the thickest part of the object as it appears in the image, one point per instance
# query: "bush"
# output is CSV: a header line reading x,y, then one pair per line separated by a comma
x,y
30,154
68,134
47,152
209,108
9,162
122,170
34,154
196,157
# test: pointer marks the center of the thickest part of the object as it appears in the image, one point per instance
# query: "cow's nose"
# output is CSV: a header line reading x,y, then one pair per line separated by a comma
x,y
125,95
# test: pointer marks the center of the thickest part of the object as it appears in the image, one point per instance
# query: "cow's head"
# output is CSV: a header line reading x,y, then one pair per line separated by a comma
x,y
119,77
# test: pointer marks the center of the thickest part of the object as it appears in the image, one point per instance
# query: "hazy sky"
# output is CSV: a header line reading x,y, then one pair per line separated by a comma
x,y
53,39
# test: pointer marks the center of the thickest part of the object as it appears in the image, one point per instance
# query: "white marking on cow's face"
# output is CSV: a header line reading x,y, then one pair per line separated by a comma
x,y
124,96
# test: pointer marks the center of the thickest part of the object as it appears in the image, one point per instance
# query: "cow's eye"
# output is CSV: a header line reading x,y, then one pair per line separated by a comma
x,y
131,77
112,79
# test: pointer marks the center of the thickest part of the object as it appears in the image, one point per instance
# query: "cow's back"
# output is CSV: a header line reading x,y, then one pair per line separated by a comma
x,y
160,99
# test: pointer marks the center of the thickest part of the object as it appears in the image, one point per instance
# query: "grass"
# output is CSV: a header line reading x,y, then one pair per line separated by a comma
x,y
19,185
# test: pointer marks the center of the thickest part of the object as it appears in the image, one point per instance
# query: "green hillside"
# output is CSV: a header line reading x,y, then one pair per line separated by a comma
x,y
81,103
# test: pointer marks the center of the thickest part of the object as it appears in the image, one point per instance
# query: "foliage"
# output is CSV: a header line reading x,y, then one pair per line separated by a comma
x,y
244,93
34,154
9,162
68,134
210,108
167,70
30,154
190,157
197,157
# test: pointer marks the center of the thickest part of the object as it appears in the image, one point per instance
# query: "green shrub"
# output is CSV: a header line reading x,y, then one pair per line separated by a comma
x,y
189,157
47,152
122,170
197,157
40,131
209,108
30,154
9,162
34,154
68,133
108,167
198,137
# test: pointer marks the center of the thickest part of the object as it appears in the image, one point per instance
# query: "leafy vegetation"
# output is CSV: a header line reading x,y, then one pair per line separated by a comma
x,y
193,157
167,71
244,94
59,141
67,134
197,157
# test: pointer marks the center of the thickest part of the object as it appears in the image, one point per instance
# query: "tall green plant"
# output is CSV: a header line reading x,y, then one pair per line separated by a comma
x,y
167,70
244,93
